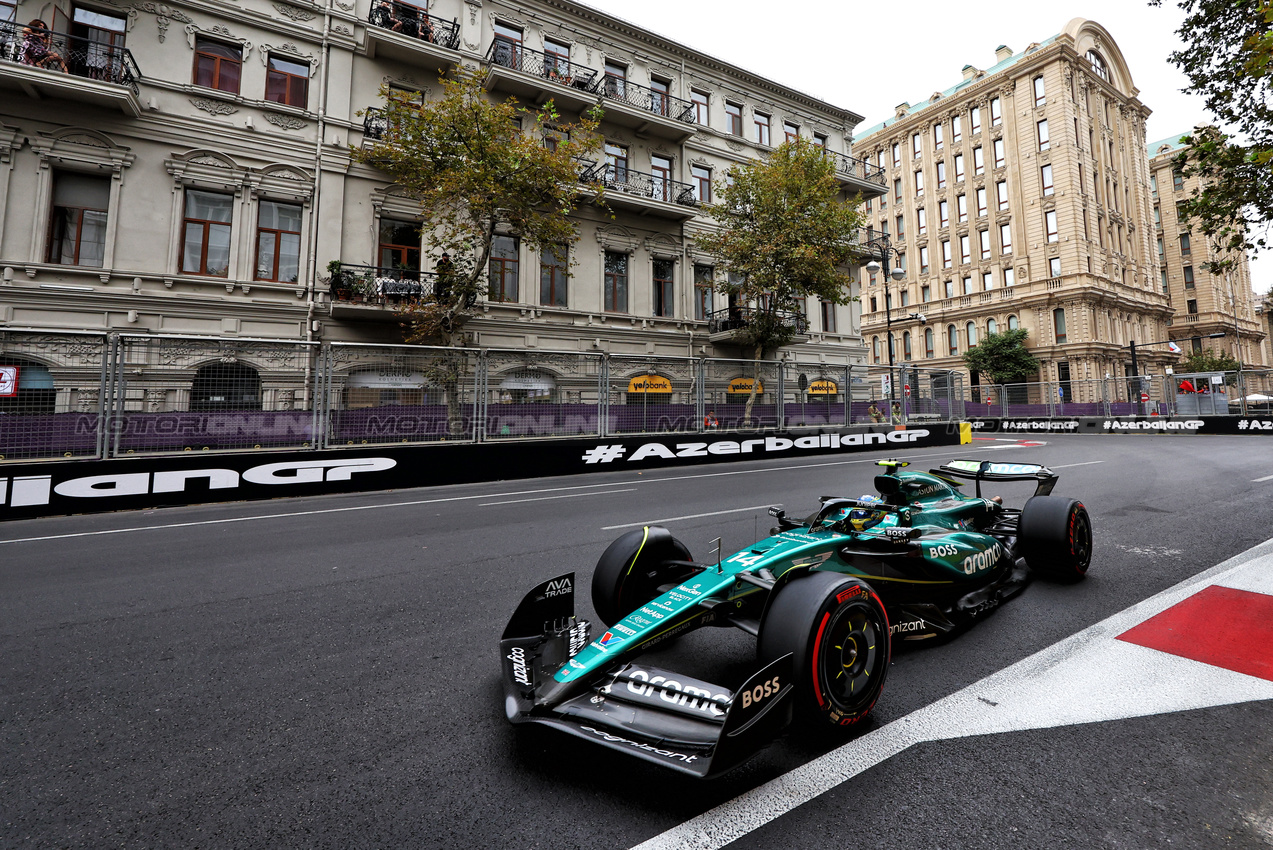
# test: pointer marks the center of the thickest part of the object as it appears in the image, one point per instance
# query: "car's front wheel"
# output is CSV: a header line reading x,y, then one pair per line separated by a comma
x,y
836,628
1055,537
633,568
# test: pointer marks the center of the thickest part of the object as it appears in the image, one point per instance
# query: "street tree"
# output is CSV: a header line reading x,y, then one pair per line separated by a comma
x,y
478,167
1003,358
1227,54
1207,360
782,234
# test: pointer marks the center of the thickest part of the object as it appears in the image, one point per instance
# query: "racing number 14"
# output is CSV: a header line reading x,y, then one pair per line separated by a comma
x,y
745,559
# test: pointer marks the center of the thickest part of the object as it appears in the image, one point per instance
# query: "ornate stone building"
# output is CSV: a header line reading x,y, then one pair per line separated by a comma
x,y
185,168
1020,197
1204,303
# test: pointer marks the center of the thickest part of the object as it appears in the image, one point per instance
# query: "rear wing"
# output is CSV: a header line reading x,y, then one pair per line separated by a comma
x,y
992,470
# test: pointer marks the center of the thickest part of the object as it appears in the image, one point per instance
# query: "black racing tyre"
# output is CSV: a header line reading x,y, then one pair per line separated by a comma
x,y
632,568
1055,537
837,630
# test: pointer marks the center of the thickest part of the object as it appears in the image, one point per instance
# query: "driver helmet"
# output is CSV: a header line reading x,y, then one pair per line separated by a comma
x,y
862,518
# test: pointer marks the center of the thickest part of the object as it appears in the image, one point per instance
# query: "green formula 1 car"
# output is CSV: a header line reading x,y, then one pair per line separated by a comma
x,y
825,596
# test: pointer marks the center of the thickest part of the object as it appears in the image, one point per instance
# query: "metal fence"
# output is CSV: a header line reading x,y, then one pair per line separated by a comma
x,y
95,395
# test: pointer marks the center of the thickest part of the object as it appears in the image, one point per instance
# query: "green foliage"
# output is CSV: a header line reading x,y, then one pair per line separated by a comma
x,y
1003,358
1228,45
784,234
1207,360
474,170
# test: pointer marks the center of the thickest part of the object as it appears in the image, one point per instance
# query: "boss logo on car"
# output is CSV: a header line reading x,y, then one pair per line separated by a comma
x,y
944,550
761,692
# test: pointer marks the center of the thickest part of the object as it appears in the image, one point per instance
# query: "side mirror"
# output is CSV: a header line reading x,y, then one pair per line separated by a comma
x,y
887,485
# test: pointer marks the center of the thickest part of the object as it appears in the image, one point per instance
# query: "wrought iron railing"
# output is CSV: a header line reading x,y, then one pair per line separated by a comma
x,y
381,285
550,66
414,22
733,318
629,182
851,166
643,97
374,124
69,54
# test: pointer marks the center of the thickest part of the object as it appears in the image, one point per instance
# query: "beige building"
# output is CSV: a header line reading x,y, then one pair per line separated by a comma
x,y
1204,303
185,169
1020,197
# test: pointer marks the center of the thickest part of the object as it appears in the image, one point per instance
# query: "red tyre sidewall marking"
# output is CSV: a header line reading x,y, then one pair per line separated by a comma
x,y
817,643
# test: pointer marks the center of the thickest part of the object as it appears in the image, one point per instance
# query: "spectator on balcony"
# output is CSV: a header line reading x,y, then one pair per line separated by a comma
x,y
36,48
424,28
383,16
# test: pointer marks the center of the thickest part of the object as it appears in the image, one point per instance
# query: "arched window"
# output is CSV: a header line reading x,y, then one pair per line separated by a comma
x,y
928,342
1012,323
970,330
1098,65
225,386
906,344
952,339
991,326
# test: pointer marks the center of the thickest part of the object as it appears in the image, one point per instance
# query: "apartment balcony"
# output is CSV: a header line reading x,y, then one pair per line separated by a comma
x,y
858,175
646,110
644,194
405,32
59,66
726,326
538,77
376,293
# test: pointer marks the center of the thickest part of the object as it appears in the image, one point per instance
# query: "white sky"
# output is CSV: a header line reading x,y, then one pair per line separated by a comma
x,y
858,55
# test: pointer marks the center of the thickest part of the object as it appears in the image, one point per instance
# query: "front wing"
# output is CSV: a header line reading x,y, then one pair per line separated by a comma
x,y
684,724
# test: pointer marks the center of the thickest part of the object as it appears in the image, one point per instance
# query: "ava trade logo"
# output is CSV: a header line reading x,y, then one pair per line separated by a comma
x,y
761,445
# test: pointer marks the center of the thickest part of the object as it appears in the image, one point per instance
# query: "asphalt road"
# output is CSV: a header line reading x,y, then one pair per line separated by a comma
x,y
323,672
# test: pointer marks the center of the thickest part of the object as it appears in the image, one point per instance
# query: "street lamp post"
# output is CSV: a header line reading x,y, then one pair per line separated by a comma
x,y
874,267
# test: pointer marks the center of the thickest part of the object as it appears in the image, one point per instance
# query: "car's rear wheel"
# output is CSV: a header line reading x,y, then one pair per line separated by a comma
x,y
836,628
1055,537
633,568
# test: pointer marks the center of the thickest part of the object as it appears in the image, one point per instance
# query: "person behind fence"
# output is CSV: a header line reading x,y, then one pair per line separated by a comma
x,y
1186,386
897,413
36,50
710,422
445,268
875,413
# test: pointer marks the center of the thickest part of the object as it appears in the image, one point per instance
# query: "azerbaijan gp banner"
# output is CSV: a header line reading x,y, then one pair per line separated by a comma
x,y
91,486
1126,425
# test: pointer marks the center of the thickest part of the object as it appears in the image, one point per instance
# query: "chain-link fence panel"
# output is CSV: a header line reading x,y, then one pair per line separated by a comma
x,y
540,394
172,394
742,393
649,394
1255,393
378,394
52,387
815,394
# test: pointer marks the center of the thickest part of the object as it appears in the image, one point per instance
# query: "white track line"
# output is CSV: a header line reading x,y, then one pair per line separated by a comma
x,y
687,516
1259,480
565,496
1034,693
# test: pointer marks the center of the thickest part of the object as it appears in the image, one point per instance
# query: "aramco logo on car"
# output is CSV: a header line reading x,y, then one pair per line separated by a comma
x,y
760,445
